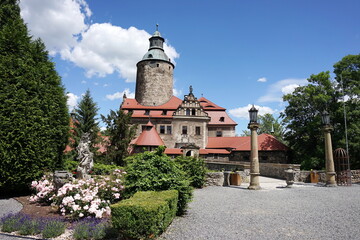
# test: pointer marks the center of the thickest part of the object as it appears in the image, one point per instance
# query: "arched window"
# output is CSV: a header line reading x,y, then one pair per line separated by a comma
x,y
187,112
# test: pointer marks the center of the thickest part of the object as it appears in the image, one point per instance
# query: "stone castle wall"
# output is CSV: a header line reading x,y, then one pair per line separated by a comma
x,y
154,82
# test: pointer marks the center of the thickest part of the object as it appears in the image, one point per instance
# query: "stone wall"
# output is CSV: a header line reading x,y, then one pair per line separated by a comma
x,y
226,166
264,156
276,170
355,176
214,179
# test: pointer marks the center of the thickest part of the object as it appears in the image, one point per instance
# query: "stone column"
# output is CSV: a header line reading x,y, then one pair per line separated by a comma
x,y
254,158
330,169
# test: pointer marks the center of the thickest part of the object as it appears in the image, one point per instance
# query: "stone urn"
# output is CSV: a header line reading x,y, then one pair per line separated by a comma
x,y
290,176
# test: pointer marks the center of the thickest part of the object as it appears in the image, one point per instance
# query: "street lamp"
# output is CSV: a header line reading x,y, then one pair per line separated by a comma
x,y
254,158
325,117
330,169
253,114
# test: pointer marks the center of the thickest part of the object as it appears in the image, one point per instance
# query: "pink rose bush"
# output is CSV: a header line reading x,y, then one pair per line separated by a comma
x,y
82,198
44,188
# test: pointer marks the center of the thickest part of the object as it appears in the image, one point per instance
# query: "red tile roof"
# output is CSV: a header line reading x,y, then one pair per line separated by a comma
x,y
216,151
217,116
209,106
266,142
149,137
174,151
131,103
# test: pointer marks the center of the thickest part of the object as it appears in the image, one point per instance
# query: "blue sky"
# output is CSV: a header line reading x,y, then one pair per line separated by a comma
x,y
235,53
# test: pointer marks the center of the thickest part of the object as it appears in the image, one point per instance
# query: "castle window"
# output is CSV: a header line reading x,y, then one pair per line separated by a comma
x,y
162,129
150,55
187,112
193,112
197,130
184,130
219,133
164,112
157,65
168,130
216,156
222,119
147,112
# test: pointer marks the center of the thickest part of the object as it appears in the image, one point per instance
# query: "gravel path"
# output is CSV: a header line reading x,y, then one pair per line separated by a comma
x,y
302,212
9,205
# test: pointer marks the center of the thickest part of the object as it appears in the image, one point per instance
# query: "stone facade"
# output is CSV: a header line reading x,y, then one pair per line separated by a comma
x,y
154,82
264,156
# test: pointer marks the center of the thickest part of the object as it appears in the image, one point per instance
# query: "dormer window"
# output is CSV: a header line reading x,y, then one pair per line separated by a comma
x,y
147,112
222,119
164,112
150,56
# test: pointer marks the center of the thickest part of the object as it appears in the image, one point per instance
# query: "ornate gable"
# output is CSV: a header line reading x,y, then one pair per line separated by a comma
x,y
190,107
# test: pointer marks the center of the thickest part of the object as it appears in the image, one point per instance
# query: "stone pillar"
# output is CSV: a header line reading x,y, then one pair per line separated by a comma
x,y
254,158
330,169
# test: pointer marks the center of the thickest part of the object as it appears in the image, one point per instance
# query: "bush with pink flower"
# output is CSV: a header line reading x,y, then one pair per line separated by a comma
x,y
44,188
83,197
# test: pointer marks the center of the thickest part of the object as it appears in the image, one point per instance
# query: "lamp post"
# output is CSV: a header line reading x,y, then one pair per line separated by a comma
x,y
330,169
254,158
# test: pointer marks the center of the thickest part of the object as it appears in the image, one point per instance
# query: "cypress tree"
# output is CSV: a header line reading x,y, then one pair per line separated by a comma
x,y
85,117
33,112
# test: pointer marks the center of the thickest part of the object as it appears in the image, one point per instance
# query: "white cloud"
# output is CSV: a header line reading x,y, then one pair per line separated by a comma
x,y
99,48
243,112
83,82
177,92
289,88
263,79
119,95
72,101
57,22
278,89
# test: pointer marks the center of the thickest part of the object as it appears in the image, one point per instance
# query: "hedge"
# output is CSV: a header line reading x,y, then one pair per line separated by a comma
x,y
146,214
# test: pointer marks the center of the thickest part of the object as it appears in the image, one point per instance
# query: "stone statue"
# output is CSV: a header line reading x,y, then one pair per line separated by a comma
x,y
85,157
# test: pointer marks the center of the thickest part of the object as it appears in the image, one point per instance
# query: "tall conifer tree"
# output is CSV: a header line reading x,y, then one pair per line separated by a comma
x,y
85,120
33,113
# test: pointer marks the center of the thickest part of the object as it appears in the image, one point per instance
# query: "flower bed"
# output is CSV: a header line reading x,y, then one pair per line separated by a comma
x,y
81,198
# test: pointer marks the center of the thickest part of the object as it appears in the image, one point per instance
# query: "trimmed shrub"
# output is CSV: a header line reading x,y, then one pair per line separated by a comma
x,y
146,214
155,171
194,168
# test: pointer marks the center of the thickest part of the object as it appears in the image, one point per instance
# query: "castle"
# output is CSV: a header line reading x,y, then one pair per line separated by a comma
x,y
188,126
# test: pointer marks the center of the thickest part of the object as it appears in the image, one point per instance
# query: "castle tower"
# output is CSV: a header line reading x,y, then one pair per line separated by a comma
x,y
154,78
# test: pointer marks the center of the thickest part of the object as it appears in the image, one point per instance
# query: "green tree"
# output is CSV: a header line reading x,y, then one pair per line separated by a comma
x,y
120,133
34,117
302,118
347,73
85,120
270,125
